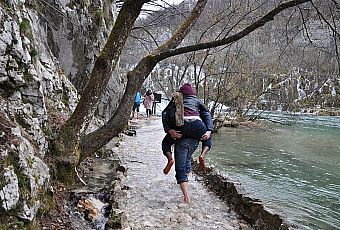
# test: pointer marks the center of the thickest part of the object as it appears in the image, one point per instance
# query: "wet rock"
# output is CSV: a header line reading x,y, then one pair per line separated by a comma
x,y
92,208
122,169
249,208
130,132
117,220
120,176
100,201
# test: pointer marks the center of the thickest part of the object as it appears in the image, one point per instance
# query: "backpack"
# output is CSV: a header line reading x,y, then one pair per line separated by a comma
x,y
174,112
169,114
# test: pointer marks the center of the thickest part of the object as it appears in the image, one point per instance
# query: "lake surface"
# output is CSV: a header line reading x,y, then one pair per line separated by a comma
x,y
294,170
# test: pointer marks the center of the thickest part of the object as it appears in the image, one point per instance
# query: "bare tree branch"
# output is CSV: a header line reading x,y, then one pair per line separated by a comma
x,y
304,26
257,24
148,32
184,29
325,20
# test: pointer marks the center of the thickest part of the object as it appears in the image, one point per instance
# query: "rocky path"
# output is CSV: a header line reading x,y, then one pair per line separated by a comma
x,y
154,200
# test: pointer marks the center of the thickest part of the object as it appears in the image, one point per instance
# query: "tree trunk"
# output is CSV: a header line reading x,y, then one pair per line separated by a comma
x,y
67,143
97,139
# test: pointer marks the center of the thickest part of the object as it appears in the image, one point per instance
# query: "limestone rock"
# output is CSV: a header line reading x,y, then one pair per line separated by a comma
x,y
9,194
23,175
42,57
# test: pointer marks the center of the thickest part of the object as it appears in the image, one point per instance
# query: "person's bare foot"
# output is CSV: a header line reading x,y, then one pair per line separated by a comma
x,y
185,190
168,166
201,163
187,200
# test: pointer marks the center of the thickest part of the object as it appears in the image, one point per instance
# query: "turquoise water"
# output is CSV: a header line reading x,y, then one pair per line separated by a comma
x,y
294,170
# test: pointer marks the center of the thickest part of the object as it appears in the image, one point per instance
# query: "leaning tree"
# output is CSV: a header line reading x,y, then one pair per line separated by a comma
x,y
73,143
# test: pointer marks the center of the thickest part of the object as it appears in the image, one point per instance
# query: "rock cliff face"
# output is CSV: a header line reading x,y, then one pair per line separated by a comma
x,y
45,46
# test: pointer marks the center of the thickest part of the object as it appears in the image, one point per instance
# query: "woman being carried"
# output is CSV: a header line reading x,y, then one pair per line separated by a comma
x,y
185,134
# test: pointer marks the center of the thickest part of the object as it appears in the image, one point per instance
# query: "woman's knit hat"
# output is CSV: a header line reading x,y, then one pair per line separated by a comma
x,y
186,89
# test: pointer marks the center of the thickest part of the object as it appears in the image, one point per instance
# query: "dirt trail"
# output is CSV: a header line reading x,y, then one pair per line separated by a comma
x,y
154,200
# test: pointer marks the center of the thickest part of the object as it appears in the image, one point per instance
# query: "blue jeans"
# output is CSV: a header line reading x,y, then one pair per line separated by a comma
x,y
184,149
191,129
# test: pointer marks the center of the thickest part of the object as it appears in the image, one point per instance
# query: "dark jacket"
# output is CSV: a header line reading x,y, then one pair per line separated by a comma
x,y
191,102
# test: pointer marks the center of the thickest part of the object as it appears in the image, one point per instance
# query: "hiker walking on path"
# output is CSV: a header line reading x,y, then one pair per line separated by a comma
x,y
148,101
185,128
136,105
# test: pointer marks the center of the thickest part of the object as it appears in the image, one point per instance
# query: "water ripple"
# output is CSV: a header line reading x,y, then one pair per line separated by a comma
x,y
296,172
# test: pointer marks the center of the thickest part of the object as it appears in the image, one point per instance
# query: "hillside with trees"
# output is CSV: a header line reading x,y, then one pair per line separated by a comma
x,y
290,64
